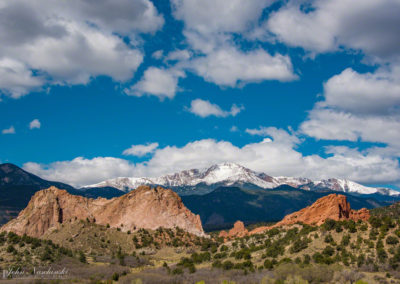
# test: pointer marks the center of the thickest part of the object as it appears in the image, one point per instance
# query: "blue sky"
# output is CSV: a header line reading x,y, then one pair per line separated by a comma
x,y
141,88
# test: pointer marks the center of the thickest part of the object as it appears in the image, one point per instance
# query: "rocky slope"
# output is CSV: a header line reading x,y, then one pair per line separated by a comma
x,y
202,181
221,208
144,207
333,206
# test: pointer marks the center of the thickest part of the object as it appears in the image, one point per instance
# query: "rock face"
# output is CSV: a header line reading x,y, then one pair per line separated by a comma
x,y
333,206
238,230
144,207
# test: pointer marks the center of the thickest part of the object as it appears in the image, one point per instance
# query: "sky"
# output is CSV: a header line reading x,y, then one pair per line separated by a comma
x,y
92,90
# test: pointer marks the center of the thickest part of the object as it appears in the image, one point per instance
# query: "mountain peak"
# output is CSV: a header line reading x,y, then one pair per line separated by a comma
x,y
228,165
201,181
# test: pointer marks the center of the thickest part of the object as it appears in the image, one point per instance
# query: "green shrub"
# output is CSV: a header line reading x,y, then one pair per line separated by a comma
x,y
13,238
329,251
46,255
82,257
220,255
382,255
177,271
375,222
223,248
329,225
306,259
299,245
275,249
328,239
217,264
268,264
392,240
227,265
115,276
10,249
345,240
201,257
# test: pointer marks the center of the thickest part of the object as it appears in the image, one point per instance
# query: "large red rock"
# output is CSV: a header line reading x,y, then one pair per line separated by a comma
x,y
144,207
333,206
238,230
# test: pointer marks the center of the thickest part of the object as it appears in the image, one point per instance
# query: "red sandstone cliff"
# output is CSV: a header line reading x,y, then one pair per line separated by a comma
x,y
144,207
238,230
333,206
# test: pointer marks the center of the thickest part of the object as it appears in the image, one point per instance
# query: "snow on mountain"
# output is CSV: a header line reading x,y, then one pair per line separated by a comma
x,y
123,183
201,181
352,187
224,174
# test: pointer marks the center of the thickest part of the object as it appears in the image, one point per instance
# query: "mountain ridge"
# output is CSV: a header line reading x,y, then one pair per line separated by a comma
x,y
202,181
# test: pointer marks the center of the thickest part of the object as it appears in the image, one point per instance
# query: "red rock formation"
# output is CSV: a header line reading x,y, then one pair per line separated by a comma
x,y
238,230
144,207
333,206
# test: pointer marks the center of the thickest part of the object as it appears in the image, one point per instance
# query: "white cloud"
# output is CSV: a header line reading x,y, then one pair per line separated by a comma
x,y
16,79
234,128
214,16
122,16
34,124
262,131
358,106
275,155
81,171
205,108
372,26
141,150
367,93
158,54
178,55
229,67
209,30
337,125
10,130
159,82
84,37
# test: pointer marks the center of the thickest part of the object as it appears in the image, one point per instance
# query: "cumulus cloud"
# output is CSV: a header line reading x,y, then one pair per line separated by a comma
x,y
229,66
210,32
81,171
141,150
10,130
371,26
178,55
275,155
34,124
329,124
215,16
48,42
358,106
158,54
159,82
16,79
367,93
205,108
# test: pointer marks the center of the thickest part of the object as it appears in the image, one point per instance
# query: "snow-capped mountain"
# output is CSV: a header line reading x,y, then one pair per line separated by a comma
x,y
226,174
201,181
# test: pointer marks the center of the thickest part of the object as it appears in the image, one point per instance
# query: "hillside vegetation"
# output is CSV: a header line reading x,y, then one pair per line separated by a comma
x,y
336,252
